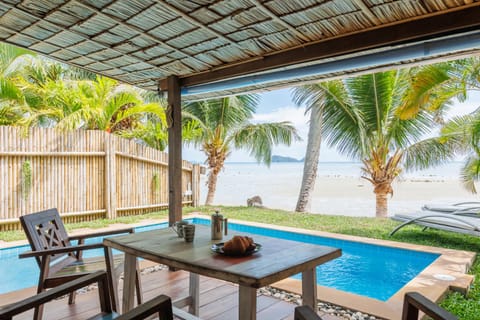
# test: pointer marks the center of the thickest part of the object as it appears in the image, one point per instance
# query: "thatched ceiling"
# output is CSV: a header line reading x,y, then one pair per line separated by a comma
x,y
143,41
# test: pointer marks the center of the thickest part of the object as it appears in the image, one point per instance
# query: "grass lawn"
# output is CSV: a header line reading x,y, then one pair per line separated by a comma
x,y
467,308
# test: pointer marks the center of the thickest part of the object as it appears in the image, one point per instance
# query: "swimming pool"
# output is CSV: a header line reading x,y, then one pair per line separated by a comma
x,y
370,270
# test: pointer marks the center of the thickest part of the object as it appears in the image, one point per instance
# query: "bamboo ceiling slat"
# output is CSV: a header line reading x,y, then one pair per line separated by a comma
x,y
395,11
143,41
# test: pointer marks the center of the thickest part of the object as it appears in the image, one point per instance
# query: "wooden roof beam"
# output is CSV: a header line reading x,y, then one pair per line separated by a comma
x,y
454,21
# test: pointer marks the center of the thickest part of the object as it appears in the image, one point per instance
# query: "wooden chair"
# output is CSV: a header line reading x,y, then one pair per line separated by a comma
x,y
61,262
161,305
413,303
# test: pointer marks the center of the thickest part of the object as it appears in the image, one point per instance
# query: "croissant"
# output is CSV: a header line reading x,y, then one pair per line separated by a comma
x,y
238,245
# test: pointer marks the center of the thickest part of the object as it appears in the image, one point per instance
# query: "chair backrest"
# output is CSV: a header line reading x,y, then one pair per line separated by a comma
x,y
45,230
160,305
415,302
99,277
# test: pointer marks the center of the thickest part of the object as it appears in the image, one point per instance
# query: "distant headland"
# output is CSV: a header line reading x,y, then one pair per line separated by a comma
x,y
277,158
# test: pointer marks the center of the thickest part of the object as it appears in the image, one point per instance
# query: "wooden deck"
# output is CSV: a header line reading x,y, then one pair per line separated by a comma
x,y
218,299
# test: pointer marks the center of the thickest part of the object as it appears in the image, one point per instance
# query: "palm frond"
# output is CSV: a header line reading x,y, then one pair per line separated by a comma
x,y
459,131
470,173
12,58
259,139
9,114
151,133
227,112
430,152
10,91
373,94
424,85
341,121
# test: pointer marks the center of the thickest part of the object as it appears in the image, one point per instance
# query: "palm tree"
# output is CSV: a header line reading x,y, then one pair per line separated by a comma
x,y
464,131
359,118
53,99
433,87
11,59
224,124
36,91
315,97
104,104
471,169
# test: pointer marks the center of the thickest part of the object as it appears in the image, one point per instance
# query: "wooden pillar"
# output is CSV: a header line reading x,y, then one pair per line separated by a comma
x,y
174,122
110,179
196,185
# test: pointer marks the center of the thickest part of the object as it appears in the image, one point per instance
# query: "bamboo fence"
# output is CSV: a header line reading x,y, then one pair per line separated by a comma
x,y
87,175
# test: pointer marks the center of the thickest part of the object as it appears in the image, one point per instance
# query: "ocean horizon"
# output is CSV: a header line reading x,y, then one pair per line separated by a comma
x,y
450,170
339,188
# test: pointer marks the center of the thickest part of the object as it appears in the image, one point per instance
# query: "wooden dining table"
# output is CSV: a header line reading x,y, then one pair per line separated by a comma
x,y
277,259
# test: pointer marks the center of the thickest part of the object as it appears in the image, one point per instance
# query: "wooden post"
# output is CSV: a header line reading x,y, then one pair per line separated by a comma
x,y
194,292
195,185
174,122
110,181
309,288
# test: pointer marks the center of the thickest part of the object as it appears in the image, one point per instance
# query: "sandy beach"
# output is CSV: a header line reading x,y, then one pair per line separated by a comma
x,y
336,194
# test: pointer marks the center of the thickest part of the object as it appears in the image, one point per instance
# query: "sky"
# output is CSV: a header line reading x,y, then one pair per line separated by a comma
x,y
276,106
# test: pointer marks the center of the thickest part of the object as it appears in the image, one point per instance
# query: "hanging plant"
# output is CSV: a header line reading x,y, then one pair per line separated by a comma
x,y
26,179
155,182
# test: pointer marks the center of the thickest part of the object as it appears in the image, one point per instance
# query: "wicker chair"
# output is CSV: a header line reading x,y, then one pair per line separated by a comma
x,y
60,261
413,303
161,305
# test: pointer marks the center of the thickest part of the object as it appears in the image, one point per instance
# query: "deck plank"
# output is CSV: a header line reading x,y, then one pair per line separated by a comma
x,y
218,299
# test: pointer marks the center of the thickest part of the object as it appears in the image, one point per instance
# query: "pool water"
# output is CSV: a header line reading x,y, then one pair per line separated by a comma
x,y
365,269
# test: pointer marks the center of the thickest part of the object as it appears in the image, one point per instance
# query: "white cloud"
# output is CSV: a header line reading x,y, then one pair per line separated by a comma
x,y
295,115
468,106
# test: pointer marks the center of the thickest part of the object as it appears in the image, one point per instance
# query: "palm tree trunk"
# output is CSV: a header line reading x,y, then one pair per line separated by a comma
x,y
381,205
212,187
310,165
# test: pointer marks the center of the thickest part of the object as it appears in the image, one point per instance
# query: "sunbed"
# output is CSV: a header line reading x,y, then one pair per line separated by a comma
x,y
462,208
438,220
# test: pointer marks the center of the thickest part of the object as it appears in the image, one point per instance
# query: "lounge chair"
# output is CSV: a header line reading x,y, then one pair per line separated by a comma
x,y
161,305
413,303
439,220
60,261
471,208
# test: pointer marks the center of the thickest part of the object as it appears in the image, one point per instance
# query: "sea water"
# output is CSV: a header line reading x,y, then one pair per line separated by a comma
x,y
339,189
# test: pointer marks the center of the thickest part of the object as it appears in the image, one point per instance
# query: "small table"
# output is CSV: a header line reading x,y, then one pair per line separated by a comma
x,y
278,259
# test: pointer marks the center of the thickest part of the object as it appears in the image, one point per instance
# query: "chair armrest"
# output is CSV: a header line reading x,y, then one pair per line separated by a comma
x,y
101,233
47,252
162,305
305,313
414,302
21,306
